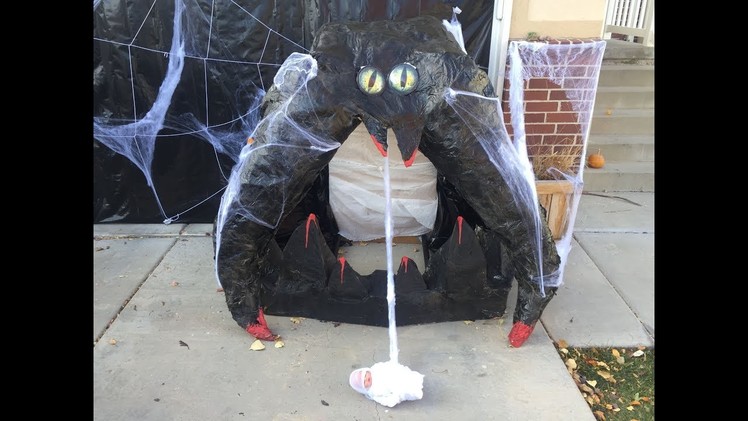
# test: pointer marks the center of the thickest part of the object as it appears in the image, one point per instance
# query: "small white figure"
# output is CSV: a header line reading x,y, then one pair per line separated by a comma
x,y
388,383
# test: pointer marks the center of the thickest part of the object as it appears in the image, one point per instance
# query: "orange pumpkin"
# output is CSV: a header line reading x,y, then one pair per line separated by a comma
x,y
596,160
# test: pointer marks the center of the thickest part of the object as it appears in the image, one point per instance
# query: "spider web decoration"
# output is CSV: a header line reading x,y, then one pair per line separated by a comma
x,y
177,88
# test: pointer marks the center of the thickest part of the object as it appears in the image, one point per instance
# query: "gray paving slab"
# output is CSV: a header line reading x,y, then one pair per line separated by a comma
x,y
627,261
120,266
612,214
200,230
471,372
367,257
137,230
588,311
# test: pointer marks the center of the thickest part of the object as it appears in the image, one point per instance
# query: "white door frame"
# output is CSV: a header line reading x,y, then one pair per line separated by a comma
x,y
502,18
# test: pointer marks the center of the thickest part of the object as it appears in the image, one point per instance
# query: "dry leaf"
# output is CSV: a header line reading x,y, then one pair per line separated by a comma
x,y
467,322
635,403
596,399
616,353
616,409
645,399
564,350
634,419
638,353
608,112
605,374
630,408
589,400
602,364
608,406
592,383
571,363
620,360
562,344
599,415
257,345
112,342
174,283
279,344
586,388
295,320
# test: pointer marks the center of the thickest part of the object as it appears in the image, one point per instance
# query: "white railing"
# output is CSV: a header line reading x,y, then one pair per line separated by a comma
x,y
633,18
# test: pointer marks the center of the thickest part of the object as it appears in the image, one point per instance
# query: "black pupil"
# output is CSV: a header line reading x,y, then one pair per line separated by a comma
x,y
403,78
372,79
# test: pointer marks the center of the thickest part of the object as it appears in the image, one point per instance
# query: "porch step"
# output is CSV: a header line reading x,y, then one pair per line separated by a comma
x,y
620,148
630,52
623,121
620,176
626,75
617,97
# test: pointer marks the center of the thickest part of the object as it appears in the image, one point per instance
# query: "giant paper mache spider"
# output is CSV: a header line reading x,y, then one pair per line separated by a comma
x,y
403,75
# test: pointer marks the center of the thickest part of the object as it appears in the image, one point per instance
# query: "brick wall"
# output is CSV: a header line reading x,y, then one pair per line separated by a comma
x,y
552,127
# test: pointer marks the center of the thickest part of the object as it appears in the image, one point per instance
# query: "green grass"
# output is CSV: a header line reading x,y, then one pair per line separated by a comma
x,y
617,383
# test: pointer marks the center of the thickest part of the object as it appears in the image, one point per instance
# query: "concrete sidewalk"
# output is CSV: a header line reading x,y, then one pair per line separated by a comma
x,y
180,356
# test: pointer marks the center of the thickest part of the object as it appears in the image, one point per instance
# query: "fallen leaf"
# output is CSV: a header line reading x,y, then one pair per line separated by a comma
x,y
596,399
599,415
591,361
634,419
257,345
467,322
295,320
585,388
279,344
606,375
324,403
592,383
112,341
183,343
630,408
616,409
602,364
616,353
645,399
638,353
608,112
564,350
562,344
589,400
174,283
641,348
635,403
608,406
620,360
571,363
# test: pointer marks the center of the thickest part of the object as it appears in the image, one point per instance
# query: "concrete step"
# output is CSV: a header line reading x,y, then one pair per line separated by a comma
x,y
617,50
614,98
618,147
626,75
623,121
620,176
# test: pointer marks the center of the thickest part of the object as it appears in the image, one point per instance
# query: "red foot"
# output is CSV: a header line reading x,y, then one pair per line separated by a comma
x,y
410,160
379,146
519,334
261,330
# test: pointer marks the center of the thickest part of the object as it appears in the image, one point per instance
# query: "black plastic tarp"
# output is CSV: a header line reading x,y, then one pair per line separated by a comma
x,y
233,49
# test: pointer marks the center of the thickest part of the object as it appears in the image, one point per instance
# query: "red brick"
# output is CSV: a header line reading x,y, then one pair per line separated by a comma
x,y
566,106
568,128
561,118
539,150
541,106
536,95
543,83
509,129
578,83
534,140
555,139
558,94
540,128
534,117
507,118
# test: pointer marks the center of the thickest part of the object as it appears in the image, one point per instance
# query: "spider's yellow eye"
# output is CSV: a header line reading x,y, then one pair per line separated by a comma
x,y
370,80
403,78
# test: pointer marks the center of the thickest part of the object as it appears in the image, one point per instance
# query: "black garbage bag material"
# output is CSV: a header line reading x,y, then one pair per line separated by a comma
x,y
412,77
